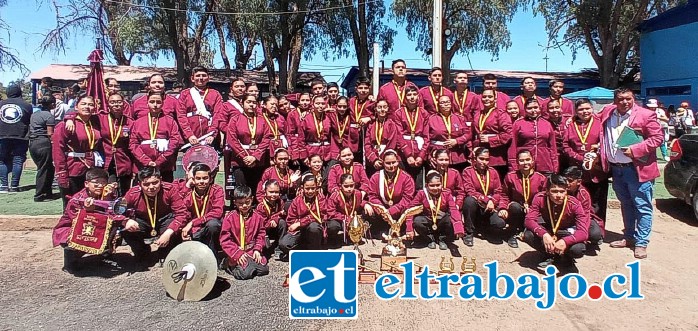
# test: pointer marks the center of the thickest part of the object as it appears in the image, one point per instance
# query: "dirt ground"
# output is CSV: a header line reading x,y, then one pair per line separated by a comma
x,y
36,294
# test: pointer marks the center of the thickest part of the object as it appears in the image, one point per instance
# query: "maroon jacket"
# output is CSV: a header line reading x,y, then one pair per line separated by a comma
x,y
394,95
270,212
402,188
140,107
239,138
225,114
115,143
430,98
144,152
454,183
299,212
286,187
474,189
349,137
357,171
496,124
277,128
389,139
438,133
502,99
359,110
541,102
62,230
310,141
574,217
169,201
231,236
342,210
65,142
465,104
198,125
567,106
512,189
293,129
537,136
211,208
419,119
574,150
448,206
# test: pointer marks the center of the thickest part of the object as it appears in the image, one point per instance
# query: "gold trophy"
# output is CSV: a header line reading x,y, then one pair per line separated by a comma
x,y
357,229
394,253
466,267
446,267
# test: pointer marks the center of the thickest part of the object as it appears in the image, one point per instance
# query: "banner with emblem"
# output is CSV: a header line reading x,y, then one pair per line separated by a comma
x,y
90,232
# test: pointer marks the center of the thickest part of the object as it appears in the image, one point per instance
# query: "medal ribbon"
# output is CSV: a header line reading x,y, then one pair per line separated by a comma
x,y
526,185
288,176
319,127
412,123
435,98
151,214
317,208
400,92
348,171
242,232
435,211
379,132
358,111
445,181
353,202
252,126
89,133
112,137
388,191
447,123
484,186
274,127
483,119
153,129
199,213
585,135
556,224
342,128
461,104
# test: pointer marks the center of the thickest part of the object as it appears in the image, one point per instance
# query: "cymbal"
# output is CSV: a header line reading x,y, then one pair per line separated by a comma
x,y
189,271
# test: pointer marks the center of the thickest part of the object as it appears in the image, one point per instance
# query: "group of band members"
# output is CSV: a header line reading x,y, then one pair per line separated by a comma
x,y
481,165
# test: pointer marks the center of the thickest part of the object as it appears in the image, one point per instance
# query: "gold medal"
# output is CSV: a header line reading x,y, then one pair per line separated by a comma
x,y
584,148
412,136
153,233
153,145
390,203
434,227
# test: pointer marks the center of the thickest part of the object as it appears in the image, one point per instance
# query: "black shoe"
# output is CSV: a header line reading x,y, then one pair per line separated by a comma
x,y
443,246
468,240
432,245
545,263
283,257
513,242
40,198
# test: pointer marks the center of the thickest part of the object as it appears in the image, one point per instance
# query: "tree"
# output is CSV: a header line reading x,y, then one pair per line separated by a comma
x,y
474,26
8,59
124,28
364,21
606,28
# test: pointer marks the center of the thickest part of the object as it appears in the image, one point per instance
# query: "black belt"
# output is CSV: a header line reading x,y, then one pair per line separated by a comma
x,y
621,165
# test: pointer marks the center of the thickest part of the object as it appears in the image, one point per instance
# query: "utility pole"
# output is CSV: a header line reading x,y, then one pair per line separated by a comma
x,y
546,62
376,70
437,34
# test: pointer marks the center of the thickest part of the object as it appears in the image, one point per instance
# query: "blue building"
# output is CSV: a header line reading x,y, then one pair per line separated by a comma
x,y
508,82
668,56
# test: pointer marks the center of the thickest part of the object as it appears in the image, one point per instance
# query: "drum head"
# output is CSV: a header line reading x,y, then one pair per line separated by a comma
x,y
201,153
189,255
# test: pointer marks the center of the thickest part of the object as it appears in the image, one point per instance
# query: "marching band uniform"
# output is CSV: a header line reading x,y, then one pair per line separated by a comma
x,y
430,97
380,136
395,195
230,109
277,126
356,170
568,222
196,111
154,216
344,132
394,95
453,181
244,235
76,152
566,105
341,210
157,139
596,224
440,217
496,125
452,126
578,139
140,107
559,126
294,122
500,98
272,213
248,136
517,194
205,213
312,216
117,155
521,101
479,190
360,109
287,189
538,136
412,125
466,104
314,136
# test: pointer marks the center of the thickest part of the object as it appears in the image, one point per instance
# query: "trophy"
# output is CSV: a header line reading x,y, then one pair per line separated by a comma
x,y
446,267
394,253
357,230
466,267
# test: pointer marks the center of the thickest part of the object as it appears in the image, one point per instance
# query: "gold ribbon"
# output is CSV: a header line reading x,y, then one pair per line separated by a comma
x,y
556,224
113,138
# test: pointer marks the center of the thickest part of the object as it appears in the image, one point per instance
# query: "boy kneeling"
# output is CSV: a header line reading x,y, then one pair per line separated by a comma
x,y
557,224
242,238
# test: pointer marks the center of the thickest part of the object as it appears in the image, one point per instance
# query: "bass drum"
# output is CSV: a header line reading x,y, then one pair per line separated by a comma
x,y
201,153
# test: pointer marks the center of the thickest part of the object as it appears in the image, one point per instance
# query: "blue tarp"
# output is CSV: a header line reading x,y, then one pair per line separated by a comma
x,y
594,93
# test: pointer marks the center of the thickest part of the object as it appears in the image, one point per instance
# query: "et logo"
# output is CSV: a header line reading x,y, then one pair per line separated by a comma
x,y
323,284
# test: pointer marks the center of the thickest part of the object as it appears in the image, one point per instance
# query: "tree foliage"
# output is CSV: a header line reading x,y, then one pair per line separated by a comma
x,y
475,25
606,28
8,58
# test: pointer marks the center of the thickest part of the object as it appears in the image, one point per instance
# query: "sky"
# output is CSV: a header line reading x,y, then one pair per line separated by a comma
x,y
27,24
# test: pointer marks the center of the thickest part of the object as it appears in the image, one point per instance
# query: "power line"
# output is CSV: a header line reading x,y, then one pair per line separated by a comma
x,y
235,14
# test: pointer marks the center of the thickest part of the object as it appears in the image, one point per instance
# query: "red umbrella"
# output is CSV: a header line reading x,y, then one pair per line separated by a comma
x,y
95,81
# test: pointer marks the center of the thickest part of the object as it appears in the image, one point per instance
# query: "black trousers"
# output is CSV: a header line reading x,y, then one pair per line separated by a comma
x,y
502,171
71,257
474,214
124,181
599,197
75,185
274,233
423,227
250,270
516,217
250,177
310,237
332,228
210,234
575,251
40,151
417,173
595,234
136,239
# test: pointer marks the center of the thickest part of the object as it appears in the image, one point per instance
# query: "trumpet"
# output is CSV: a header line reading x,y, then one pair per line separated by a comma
x,y
111,207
